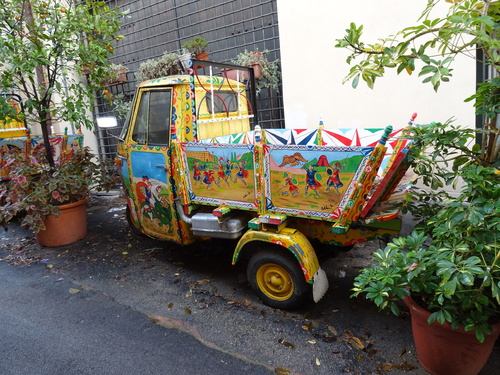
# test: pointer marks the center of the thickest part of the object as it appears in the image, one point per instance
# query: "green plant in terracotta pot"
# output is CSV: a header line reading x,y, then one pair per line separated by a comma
x,y
267,73
449,267
197,47
448,273
36,191
115,73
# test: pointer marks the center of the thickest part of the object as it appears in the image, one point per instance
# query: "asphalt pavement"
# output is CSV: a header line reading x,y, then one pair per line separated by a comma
x,y
117,303
52,326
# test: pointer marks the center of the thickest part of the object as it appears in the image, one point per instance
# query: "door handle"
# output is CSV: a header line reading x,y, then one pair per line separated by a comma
x,y
162,166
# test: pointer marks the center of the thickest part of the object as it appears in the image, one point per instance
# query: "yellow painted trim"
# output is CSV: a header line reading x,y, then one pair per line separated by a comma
x,y
289,238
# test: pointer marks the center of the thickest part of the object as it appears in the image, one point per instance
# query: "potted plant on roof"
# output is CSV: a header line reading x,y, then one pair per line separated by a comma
x,y
267,73
448,270
197,47
51,201
166,65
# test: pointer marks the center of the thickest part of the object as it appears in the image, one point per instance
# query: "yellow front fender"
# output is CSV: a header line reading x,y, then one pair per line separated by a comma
x,y
289,238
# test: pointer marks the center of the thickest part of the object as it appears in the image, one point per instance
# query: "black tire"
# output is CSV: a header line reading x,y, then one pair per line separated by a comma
x,y
136,230
277,279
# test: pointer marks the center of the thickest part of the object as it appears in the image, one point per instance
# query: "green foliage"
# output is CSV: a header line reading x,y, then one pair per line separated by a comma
x,y
487,98
196,45
43,42
8,112
271,73
166,65
450,264
112,74
36,190
121,107
467,26
456,274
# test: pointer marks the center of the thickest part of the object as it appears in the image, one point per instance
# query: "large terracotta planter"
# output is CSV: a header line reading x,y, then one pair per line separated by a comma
x,y
70,226
443,351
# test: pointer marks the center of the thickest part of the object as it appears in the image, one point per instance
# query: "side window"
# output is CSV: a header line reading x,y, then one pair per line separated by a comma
x,y
140,129
152,123
159,117
222,102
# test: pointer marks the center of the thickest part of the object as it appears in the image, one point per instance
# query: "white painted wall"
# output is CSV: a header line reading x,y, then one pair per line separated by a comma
x,y
313,69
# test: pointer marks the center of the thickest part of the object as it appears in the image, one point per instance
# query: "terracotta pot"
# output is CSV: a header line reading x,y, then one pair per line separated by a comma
x,y
443,351
257,72
202,56
70,226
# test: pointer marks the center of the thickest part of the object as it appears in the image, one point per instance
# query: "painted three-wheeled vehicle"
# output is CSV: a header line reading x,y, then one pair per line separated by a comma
x,y
196,164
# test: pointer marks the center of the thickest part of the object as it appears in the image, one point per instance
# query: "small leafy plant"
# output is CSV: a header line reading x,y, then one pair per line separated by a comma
x,y
270,69
36,190
113,73
166,65
196,45
121,106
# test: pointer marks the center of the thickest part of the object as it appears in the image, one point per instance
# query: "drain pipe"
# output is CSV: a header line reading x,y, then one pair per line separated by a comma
x,y
180,211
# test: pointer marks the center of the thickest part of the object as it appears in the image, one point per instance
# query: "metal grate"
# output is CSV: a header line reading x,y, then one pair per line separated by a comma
x,y
229,26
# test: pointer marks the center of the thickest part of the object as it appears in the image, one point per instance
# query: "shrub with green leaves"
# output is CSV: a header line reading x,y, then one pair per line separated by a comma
x,y
196,45
450,264
36,189
43,43
454,273
270,69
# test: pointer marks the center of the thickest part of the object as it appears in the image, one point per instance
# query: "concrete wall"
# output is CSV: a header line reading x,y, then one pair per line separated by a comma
x,y
313,69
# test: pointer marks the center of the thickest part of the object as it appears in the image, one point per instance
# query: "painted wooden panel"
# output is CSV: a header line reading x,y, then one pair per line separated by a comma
x,y
311,181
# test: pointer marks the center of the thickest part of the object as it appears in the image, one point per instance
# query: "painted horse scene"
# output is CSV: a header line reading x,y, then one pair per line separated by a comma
x,y
219,173
311,180
298,180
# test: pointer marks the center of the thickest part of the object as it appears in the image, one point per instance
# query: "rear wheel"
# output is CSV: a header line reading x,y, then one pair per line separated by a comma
x,y
277,279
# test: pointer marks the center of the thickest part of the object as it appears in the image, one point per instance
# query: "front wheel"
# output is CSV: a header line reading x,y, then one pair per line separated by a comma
x,y
132,224
277,279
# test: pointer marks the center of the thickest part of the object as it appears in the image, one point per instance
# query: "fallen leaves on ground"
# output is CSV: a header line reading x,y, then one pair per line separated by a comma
x,y
287,344
388,367
353,340
282,371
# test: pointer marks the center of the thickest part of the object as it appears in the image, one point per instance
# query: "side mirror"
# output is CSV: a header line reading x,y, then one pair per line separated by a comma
x,y
107,122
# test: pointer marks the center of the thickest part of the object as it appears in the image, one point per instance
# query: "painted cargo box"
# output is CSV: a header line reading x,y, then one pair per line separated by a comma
x,y
337,181
61,146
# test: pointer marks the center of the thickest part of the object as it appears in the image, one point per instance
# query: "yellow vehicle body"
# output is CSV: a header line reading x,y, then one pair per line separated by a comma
x,y
195,166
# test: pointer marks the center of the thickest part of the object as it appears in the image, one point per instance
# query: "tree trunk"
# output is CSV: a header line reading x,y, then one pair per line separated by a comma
x,y
43,98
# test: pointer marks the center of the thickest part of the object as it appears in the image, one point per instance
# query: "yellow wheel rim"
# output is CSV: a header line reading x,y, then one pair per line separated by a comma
x,y
274,281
